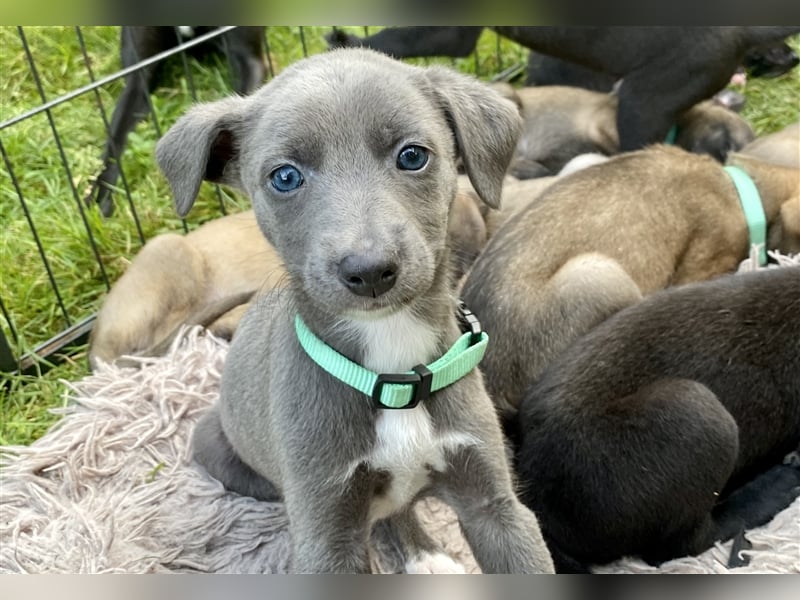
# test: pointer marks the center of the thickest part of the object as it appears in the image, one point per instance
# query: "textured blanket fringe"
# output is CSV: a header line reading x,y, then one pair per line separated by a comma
x,y
112,488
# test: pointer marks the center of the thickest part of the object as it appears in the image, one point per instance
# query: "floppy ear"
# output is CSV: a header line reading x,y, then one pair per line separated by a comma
x,y
486,127
203,144
788,234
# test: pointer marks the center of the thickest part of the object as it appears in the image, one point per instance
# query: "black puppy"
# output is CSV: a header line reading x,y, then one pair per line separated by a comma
x,y
770,60
663,429
244,47
765,60
665,70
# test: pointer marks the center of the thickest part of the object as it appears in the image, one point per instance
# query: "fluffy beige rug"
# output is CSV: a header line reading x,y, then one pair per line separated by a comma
x,y
111,488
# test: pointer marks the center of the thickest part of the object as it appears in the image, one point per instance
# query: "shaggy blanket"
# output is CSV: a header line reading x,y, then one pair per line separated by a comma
x,y
111,488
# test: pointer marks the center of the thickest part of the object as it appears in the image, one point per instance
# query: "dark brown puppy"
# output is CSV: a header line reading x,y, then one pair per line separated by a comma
x,y
665,70
598,240
635,440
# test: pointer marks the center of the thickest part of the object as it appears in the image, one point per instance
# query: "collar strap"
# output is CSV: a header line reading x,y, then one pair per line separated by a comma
x,y
400,390
672,135
753,210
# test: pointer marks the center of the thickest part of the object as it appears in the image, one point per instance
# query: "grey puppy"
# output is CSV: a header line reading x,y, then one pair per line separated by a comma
x,y
349,158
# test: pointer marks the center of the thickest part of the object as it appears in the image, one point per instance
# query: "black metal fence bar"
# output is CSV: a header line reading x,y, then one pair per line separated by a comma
x,y
303,41
36,239
77,332
116,152
114,76
64,162
193,91
7,360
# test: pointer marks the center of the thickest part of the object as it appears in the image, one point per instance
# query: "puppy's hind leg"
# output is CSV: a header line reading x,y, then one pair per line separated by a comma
x,y
212,449
583,293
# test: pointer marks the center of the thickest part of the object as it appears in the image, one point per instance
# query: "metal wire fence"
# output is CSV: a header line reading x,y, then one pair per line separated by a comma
x,y
24,353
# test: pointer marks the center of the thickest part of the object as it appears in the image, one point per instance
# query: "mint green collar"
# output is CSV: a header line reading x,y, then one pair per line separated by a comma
x,y
672,135
399,390
753,210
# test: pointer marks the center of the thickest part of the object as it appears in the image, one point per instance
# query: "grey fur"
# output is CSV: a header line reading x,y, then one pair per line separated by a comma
x,y
283,426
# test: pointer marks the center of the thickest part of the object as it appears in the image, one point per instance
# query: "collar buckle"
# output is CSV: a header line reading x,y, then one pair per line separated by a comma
x,y
421,379
469,322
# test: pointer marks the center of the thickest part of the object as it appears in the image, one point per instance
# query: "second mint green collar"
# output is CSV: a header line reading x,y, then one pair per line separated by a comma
x,y
400,390
753,210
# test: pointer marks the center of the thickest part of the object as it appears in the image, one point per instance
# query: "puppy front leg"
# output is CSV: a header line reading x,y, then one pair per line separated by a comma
x,y
329,528
503,534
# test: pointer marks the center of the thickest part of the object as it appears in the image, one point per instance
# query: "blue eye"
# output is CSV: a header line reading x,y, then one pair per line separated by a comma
x,y
286,178
412,158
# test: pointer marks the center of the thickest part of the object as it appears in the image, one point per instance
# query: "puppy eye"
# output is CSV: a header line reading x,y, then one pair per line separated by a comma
x,y
412,158
286,178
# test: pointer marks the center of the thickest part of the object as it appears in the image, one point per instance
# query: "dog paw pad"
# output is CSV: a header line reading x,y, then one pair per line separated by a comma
x,y
435,563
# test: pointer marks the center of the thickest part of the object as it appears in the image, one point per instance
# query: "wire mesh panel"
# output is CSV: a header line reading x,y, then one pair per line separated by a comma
x,y
60,253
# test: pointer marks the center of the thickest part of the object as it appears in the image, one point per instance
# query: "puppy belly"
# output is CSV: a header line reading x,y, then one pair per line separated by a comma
x,y
409,450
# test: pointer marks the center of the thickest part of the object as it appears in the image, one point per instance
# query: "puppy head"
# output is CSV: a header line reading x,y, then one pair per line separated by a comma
x,y
708,128
349,158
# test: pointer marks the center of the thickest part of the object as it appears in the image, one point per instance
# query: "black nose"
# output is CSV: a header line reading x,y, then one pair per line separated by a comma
x,y
367,276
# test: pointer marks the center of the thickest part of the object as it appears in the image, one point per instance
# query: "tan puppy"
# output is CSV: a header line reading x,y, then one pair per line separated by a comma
x,y
780,148
200,278
518,193
596,241
208,277
561,122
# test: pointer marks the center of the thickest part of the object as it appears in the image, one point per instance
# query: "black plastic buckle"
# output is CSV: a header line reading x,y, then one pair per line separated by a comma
x,y
421,378
469,323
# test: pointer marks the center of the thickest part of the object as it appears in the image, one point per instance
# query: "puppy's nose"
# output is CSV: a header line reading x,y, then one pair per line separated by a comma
x,y
367,276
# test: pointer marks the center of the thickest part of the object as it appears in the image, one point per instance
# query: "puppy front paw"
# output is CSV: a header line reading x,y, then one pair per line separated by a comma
x,y
436,563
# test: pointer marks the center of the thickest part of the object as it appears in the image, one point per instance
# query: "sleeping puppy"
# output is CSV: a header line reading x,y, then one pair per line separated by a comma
x,y
209,276
350,160
662,430
665,70
598,240
197,279
561,122
780,148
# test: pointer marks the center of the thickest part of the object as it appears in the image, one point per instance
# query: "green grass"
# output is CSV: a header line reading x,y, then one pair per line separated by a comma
x,y
55,209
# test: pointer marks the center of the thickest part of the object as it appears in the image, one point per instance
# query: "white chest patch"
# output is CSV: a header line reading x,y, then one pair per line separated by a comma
x,y
406,444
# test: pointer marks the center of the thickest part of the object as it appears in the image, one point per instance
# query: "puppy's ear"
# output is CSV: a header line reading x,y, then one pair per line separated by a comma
x,y
486,127
203,144
787,236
